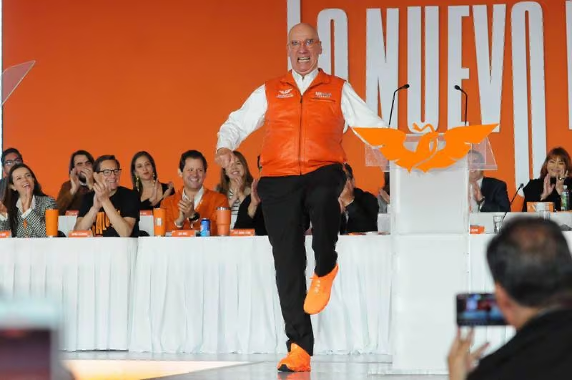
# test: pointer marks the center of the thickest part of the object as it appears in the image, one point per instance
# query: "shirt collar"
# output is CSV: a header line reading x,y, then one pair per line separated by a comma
x,y
304,82
32,204
197,198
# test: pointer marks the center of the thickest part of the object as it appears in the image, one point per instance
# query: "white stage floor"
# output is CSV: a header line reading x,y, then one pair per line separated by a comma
x,y
129,365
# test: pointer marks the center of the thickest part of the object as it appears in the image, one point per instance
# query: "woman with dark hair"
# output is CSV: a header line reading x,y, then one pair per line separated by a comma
x,y
145,181
25,205
554,174
235,182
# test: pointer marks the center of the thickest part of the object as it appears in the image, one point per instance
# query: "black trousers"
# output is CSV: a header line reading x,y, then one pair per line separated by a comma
x,y
287,202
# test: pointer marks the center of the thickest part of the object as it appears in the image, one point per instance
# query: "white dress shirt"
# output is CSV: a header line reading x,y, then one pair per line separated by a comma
x,y
475,207
250,116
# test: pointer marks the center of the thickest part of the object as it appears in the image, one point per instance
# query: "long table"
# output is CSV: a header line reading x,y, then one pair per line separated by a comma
x,y
209,295
89,279
218,294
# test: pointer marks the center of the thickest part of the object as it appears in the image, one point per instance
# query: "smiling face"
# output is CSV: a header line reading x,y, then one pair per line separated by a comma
x,y
193,174
144,168
110,178
22,180
304,48
236,169
555,166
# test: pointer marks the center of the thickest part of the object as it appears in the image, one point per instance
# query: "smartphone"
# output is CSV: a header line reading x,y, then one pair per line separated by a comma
x,y
474,309
28,339
553,181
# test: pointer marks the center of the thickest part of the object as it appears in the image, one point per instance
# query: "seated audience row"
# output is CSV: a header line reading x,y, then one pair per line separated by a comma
x,y
93,190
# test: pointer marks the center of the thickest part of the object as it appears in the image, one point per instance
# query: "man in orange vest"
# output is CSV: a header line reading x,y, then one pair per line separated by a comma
x,y
305,114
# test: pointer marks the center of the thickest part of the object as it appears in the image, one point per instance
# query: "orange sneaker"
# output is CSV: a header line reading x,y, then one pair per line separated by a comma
x,y
297,360
319,292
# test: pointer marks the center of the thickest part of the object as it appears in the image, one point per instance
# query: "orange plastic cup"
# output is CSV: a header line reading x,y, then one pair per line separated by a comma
x,y
223,221
52,216
159,226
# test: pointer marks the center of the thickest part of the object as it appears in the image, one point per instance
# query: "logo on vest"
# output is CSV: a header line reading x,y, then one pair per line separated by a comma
x,y
285,93
320,94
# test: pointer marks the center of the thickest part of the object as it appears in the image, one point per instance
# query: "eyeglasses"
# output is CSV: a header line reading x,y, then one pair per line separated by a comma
x,y
309,43
108,172
10,163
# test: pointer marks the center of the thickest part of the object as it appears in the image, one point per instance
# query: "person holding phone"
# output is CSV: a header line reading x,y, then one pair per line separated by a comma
x,y
554,174
80,182
531,266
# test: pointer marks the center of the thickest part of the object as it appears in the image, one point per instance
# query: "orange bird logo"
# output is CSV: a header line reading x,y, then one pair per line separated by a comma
x,y
427,154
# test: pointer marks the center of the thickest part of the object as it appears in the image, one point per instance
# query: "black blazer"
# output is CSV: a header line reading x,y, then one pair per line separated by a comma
x,y
495,194
542,349
243,220
362,213
534,188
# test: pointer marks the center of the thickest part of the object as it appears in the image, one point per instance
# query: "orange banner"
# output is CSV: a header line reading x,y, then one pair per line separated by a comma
x,y
119,77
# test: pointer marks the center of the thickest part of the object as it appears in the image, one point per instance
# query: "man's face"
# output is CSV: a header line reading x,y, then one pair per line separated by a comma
x,y
193,174
110,174
81,162
10,160
304,48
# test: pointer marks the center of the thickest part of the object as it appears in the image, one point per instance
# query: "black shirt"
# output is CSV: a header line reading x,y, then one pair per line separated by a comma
x,y
146,204
542,349
361,214
533,191
243,220
126,201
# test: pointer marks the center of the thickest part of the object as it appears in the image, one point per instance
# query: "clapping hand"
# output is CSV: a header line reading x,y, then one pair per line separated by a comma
x,y
560,182
547,189
74,180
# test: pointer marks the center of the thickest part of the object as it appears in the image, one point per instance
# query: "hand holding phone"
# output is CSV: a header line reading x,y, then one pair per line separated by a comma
x,y
478,309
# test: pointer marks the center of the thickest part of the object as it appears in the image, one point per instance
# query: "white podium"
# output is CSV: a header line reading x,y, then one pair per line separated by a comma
x,y
430,236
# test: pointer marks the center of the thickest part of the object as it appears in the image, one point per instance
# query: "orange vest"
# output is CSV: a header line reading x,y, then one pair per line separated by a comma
x,y
206,208
302,133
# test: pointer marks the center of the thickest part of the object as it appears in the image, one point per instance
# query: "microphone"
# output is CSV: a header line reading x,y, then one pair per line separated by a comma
x,y
512,200
457,87
406,86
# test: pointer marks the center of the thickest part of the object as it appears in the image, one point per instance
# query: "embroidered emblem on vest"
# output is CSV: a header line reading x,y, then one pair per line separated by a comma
x,y
285,93
320,94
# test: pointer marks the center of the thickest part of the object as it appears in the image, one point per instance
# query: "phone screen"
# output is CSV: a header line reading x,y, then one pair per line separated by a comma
x,y
478,309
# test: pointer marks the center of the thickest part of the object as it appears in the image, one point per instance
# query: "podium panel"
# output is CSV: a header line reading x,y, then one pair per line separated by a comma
x,y
435,202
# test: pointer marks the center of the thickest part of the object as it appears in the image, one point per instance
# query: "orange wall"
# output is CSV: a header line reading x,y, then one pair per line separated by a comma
x,y
122,76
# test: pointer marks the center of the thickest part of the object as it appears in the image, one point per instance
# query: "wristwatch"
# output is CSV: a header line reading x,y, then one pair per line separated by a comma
x,y
194,217
480,202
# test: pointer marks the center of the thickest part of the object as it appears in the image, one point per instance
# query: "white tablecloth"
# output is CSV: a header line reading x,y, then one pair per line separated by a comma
x,y
88,278
218,295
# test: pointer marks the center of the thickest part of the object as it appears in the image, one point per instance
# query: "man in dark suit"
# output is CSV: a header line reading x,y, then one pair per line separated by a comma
x,y
531,266
486,194
359,209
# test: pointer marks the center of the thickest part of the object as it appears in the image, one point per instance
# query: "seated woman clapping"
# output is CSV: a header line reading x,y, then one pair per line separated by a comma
x,y
25,205
146,182
235,182
554,174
